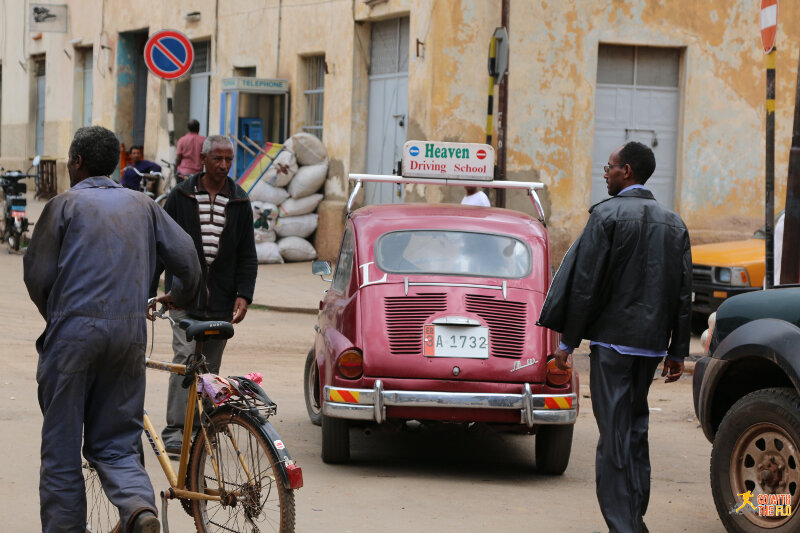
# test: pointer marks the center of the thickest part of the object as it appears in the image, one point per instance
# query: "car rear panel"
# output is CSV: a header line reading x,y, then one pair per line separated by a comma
x,y
393,331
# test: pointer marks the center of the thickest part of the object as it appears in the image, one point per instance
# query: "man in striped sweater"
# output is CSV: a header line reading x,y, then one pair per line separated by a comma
x,y
216,213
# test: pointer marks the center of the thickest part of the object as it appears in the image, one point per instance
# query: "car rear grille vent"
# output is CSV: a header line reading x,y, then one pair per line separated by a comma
x,y
507,323
701,273
405,316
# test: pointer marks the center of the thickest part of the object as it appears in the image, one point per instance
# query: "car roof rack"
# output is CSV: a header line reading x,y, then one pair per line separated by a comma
x,y
530,186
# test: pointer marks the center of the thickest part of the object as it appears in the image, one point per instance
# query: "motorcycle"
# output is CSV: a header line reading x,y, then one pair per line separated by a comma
x,y
13,206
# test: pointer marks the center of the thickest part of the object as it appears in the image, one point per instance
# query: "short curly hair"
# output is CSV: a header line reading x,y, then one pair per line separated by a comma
x,y
98,147
641,160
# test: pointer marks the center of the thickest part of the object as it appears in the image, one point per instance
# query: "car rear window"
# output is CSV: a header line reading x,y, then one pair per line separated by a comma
x,y
459,253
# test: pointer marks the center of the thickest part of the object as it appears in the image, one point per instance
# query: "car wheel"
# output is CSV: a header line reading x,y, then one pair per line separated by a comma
x,y
311,389
757,450
553,446
335,440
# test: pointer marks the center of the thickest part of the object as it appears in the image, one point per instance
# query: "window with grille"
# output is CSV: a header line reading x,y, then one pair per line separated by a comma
x,y
201,62
314,94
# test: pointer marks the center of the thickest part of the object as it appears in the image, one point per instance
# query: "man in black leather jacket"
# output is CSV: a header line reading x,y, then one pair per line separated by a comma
x,y
625,284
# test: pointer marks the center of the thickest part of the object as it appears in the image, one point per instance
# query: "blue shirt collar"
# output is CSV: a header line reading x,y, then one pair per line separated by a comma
x,y
628,188
96,182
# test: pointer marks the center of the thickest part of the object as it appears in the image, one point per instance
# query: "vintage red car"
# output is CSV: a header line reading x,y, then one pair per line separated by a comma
x,y
430,316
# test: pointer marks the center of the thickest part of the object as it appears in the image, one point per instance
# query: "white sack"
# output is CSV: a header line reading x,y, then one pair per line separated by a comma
x,y
265,235
301,206
296,249
307,148
301,226
264,192
282,170
268,252
260,207
308,180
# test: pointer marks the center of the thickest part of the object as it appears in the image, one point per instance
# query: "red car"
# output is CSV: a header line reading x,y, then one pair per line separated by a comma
x,y
431,317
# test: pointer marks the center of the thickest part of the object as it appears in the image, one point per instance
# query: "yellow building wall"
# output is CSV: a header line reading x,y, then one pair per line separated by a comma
x,y
552,79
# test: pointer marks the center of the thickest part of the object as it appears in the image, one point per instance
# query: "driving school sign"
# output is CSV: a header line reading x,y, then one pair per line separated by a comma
x,y
468,161
168,54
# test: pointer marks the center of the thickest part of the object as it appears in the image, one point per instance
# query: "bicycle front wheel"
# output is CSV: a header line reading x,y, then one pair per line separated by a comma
x,y
252,495
101,515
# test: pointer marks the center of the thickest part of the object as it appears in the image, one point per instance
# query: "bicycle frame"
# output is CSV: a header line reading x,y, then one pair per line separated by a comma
x,y
177,480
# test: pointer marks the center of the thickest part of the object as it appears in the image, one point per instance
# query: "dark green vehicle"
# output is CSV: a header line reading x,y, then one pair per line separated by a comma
x,y
747,398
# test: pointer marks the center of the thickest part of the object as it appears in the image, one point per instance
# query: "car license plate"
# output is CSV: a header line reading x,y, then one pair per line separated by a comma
x,y
455,341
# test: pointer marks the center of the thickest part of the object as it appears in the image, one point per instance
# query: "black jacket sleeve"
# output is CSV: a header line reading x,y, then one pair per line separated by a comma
x,y
246,259
682,325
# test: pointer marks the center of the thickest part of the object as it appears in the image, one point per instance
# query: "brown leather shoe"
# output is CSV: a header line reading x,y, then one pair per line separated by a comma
x,y
146,522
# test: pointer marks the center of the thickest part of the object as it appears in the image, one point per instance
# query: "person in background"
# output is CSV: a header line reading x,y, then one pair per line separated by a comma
x,y
626,286
130,178
187,156
216,213
475,196
88,270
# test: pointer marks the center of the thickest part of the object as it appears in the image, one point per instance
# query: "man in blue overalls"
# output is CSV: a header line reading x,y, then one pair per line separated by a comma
x,y
88,269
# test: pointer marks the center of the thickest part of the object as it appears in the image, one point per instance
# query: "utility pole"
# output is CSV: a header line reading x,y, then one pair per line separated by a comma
x,y
769,173
502,114
790,259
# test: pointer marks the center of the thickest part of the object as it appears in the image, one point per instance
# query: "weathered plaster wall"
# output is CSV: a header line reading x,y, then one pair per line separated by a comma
x,y
553,65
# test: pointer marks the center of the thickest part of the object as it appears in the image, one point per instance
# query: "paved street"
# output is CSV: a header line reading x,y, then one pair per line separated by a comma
x,y
429,481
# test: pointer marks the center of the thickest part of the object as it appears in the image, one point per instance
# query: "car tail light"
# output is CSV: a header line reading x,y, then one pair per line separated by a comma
x,y
556,377
351,364
295,474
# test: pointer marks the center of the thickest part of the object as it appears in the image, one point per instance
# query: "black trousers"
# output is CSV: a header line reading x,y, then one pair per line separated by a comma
x,y
619,384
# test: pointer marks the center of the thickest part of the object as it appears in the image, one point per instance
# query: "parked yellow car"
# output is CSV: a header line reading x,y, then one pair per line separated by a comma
x,y
723,269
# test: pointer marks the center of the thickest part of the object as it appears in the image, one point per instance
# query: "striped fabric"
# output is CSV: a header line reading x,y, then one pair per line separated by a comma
x,y
212,220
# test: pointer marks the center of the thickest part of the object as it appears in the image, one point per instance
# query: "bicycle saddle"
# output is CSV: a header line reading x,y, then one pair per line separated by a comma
x,y
200,330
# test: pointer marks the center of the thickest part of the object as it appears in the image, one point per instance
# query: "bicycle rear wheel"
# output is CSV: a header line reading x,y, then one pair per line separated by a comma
x,y
254,497
101,515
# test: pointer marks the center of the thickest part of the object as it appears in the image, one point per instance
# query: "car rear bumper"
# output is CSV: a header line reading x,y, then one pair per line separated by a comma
x,y
370,404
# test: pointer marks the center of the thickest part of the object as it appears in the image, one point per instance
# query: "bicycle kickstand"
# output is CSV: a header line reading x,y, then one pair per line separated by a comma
x,y
164,523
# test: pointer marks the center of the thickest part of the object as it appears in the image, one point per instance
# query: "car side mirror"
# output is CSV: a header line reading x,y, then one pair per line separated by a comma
x,y
36,160
321,268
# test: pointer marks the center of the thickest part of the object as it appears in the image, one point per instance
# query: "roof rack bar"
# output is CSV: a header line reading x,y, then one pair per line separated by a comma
x,y
530,186
445,181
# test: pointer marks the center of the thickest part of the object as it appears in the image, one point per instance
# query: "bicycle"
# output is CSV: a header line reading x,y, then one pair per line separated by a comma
x,y
149,183
235,474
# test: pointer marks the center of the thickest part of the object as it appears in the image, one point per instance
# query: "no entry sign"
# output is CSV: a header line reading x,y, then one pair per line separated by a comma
x,y
769,24
168,54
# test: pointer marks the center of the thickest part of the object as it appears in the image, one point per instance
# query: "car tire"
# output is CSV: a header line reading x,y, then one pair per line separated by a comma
x,y
553,447
335,440
312,390
762,428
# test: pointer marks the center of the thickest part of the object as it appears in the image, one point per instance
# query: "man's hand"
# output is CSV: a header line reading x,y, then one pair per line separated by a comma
x,y
239,310
672,370
561,357
164,300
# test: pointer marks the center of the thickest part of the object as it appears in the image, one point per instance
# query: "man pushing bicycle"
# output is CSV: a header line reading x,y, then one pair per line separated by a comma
x,y
88,269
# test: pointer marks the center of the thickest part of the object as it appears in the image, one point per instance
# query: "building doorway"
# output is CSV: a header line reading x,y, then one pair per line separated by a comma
x,y
131,88
638,99
192,93
388,107
41,87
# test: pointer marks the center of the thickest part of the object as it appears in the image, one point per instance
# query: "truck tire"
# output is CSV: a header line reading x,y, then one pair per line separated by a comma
x,y
311,389
757,449
335,440
553,447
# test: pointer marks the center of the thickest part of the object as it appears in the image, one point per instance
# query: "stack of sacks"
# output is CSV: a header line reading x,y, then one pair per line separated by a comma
x,y
291,184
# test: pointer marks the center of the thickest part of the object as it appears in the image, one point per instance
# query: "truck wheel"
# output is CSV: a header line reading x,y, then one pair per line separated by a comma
x,y
757,450
553,446
335,440
311,389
